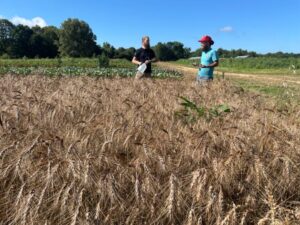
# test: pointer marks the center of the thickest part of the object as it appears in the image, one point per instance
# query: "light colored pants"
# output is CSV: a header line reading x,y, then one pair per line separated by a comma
x,y
140,75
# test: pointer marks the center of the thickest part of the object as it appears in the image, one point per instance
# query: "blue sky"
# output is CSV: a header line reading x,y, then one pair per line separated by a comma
x,y
259,25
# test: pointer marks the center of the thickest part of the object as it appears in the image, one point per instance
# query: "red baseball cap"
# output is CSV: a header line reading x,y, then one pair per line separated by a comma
x,y
207,39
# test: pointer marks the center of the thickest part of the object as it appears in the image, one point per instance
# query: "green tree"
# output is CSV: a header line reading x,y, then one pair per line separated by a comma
x,y
196,53
21,41
108,50
179,52
130,53
44,42
103,61
51,34
123,53
6,30
77,39
38,46
98,50
163,52
171,51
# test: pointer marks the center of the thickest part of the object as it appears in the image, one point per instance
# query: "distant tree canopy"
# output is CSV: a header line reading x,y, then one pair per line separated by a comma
x,y
75,38
240,52
6,32
44,42
171,51
108,50
22,41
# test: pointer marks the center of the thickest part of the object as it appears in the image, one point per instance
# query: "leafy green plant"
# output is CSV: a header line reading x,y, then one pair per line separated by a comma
x,y
84,71
191,112
191,106
59,62
103,61
219,110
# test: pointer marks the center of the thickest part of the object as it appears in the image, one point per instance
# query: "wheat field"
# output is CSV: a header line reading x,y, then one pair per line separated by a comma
x,y
82,150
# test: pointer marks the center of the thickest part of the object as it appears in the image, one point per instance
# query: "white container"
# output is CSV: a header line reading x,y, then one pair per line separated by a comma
x,y
142,68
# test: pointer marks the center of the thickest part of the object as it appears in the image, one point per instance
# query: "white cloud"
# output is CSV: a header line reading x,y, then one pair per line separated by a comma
x,y
226,29
37,21
1,17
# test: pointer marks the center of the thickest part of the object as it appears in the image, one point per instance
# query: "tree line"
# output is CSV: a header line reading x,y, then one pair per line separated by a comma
x,y
75,38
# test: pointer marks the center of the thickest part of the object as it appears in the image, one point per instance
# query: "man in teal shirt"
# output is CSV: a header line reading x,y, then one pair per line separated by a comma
x,y
209,60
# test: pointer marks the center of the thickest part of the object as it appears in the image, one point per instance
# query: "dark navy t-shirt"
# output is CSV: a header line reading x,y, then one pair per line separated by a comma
x,y
142,55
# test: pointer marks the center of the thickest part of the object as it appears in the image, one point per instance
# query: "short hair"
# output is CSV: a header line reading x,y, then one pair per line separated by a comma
x,y
145,37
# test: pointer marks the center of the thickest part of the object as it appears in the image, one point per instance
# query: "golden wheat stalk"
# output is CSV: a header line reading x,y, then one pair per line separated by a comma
x,y
76,213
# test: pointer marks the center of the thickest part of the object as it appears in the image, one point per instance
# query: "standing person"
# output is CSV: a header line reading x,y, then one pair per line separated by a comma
x,y
144,55
209,60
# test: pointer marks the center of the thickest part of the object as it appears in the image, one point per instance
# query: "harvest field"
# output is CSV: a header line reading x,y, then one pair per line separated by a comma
x,y
92,150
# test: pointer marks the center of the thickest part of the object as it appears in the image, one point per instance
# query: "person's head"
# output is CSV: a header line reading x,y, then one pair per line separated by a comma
x,y
146,42
206,42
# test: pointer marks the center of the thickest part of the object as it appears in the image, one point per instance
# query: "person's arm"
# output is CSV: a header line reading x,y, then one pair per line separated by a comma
x,y
153,58
215,59
135,61
214,64
151,61
136,58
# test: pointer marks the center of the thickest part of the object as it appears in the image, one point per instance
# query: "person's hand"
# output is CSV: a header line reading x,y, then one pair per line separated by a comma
x,y
147,62
203,66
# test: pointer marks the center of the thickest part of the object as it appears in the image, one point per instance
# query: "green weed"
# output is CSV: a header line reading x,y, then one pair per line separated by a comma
x,y
191,112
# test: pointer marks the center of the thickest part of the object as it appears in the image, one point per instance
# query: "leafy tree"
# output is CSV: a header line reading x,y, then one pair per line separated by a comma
x,y
178,50
108,50
77,39
162,52
130,53
123,53
37,45
6,30
171,51
196,53
51,34
44,42
21,41
103,61
98,51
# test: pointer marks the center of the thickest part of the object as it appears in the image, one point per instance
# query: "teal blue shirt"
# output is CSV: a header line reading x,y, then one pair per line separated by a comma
x,y
207,58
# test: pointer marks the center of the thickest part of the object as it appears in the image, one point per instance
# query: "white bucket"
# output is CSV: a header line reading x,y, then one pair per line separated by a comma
x,y
142,68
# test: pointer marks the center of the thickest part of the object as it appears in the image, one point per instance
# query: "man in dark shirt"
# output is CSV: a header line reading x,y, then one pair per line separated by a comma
x,y
144,55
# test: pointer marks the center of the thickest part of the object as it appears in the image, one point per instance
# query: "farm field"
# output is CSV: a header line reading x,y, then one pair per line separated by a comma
x,y
258,65
104,119
281,87
92,150
63,62
77,67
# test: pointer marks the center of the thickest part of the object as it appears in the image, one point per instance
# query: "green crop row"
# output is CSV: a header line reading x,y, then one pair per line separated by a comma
x,y
262,63
82,71
64,62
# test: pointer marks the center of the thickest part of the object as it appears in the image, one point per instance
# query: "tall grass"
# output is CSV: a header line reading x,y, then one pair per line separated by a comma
x,y
86,151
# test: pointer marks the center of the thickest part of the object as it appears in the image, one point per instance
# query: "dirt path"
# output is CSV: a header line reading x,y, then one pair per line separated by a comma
x,y
266,78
